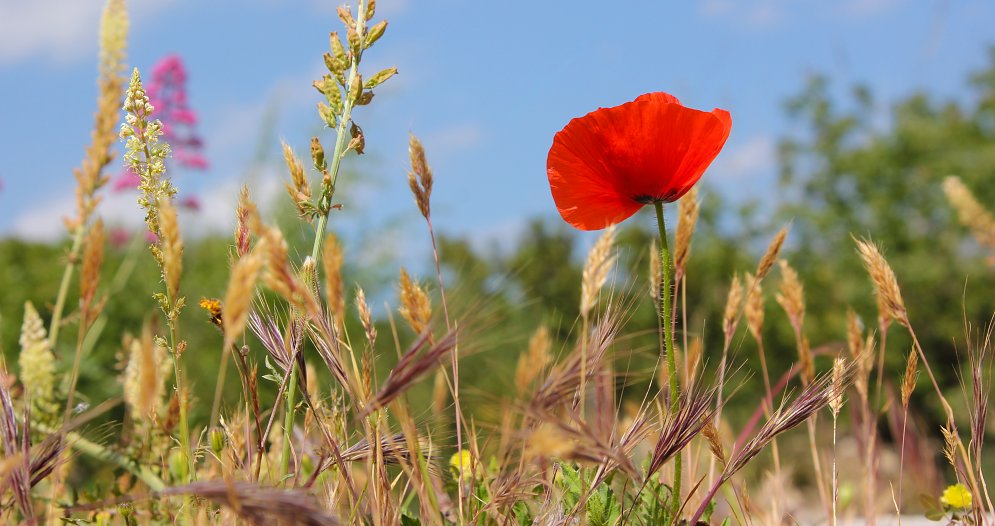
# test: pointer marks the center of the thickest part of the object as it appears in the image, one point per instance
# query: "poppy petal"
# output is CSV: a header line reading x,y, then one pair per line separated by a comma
x,y
605,165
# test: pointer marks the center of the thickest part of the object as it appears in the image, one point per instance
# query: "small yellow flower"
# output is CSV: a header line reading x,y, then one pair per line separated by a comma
x,y
957,497
462,460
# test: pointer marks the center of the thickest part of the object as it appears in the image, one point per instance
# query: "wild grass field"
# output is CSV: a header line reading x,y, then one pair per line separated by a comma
x,y
826,361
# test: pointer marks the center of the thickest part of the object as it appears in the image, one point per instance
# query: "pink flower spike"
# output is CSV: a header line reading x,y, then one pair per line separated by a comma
x,y
128,180
184,116
119,237
190,159
190,203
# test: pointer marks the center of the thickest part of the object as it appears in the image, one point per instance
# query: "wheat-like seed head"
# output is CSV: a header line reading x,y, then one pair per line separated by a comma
x,y
93,261
687,218
599,262
298,188
692,360
656,277
241,290
910,377
365,316
863,365
280,276
89,177
534,360
247,221
420,177
331,262
770,257
416,309
890,304
950,442
37,362
854,334
172,249
838,386
733,302
144,376
754,308
113,39
711,435
971,213
806,360
792,294
549,441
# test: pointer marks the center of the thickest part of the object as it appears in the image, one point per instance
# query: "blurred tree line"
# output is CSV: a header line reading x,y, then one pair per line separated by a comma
x,y
854,168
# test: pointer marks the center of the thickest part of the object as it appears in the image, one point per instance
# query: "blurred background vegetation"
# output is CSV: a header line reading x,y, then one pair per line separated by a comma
x,y
847,170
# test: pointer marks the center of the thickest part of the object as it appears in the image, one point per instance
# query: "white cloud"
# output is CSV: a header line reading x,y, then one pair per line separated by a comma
x,y
216,216
56,29
754,157
60,30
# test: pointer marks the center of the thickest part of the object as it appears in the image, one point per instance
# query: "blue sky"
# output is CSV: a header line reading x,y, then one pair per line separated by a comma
x,y
484,84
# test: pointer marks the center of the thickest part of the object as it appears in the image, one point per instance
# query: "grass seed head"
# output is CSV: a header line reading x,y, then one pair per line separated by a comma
x,y
172,249
838,386
599,263
532,362
890,304
711,435
910,377
733,302
331,261
770,257
656,277
416,309
298,188
247,221
754,308
420,177
687,218
93,261
144,376
365,316
792,295
238,298
971,213
37,363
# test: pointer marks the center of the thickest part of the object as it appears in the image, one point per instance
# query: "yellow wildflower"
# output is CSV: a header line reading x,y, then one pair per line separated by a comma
x,y
462,460
956,496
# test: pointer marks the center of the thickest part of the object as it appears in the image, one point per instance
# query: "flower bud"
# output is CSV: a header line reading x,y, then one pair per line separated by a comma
x,y
218,440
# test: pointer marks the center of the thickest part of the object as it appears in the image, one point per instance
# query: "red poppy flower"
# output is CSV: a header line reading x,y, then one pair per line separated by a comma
x,y
604,166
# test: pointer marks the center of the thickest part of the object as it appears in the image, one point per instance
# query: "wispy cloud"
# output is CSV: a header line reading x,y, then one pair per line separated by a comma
x,y
58,30
757,156
216,216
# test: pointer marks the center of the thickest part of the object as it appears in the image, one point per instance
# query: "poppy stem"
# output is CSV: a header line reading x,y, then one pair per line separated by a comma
x,y
668,342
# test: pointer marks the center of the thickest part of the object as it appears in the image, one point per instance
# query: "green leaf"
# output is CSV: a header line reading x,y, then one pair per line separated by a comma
x,y
522,514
